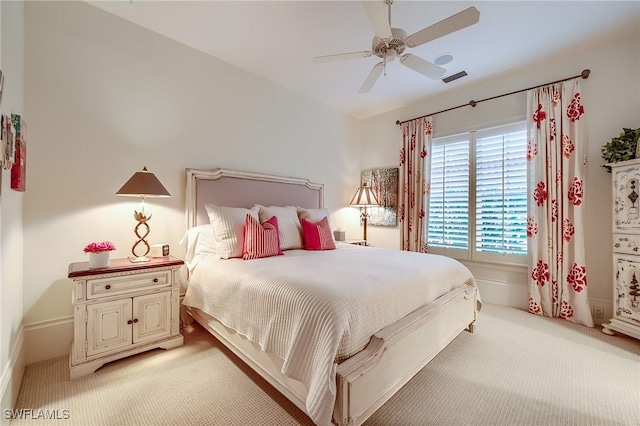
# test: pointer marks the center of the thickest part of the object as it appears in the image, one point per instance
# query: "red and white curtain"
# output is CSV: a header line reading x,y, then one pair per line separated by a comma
x,y
557,160
415,176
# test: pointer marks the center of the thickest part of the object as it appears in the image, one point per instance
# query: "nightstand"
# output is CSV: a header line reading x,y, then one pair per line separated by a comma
x,y
357,242
123,309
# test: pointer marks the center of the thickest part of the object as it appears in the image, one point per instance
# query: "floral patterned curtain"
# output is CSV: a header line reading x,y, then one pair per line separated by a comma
x,y
557,159
415,175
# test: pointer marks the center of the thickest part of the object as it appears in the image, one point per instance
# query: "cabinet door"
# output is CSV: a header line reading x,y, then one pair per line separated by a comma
x,y
626,297
626,189
153,315
107,328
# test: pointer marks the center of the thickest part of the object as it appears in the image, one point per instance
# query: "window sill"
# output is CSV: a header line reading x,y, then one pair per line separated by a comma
x,y
461,256
505,266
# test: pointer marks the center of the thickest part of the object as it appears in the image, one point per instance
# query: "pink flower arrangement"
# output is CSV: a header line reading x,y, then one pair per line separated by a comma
x,y
99,247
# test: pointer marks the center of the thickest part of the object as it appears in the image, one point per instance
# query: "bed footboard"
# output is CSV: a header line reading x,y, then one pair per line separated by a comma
x,y
395,354
368,379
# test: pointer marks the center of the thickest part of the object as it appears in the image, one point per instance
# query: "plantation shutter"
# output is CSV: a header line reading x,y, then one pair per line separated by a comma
x,y
478,195
449,195
501,188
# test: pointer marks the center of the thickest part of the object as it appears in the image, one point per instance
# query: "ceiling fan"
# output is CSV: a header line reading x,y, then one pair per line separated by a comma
x,y
390,43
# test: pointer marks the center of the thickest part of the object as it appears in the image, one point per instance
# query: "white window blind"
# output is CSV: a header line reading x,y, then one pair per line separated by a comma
x,y
501,191
478,202
449,205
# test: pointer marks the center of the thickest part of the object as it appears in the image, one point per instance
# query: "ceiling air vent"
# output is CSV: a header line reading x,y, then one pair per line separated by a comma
x,y
454,77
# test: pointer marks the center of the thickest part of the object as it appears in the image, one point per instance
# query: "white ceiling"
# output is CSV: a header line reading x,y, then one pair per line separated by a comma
x,y
278,39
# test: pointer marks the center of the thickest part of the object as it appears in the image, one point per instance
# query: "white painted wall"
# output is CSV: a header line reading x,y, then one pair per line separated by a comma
x,y
11,202
103,98
611,96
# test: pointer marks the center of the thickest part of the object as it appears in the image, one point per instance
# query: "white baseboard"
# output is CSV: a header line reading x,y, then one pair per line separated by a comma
x,y
48,339
12,374
517,296
501,284
502,293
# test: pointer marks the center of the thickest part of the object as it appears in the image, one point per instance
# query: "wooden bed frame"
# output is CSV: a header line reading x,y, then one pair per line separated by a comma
x,y
393,356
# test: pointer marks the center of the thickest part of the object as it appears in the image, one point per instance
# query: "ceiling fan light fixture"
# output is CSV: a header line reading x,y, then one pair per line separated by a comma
x,y
389,43
443,59
391,55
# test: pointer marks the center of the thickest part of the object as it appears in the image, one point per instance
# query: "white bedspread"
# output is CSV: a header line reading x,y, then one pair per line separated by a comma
x,y
313,309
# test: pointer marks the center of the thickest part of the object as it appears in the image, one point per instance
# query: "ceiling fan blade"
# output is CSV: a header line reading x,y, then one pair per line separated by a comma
x,y
377,11
341,56
372,78
449,25
425,68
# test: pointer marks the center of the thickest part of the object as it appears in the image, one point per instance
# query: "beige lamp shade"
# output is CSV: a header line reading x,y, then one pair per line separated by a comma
x,y
143,184
364,197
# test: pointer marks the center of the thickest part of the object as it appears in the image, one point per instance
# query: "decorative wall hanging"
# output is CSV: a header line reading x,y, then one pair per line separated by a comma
x,y
19,169
1,85
2,141
9,140
384,183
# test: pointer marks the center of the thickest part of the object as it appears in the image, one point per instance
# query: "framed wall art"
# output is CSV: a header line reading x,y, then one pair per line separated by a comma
x,y
1,85
3,138
9,141
19,169
384,183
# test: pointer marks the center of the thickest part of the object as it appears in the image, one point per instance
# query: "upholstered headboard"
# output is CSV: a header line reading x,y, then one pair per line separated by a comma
x,y
245,189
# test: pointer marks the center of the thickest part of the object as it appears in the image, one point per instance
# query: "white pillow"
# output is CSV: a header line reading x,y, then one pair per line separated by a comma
x,y
200,243
313,215
288,223
228,228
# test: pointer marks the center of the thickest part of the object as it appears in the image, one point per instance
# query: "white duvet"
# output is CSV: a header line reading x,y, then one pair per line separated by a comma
x,y
314,309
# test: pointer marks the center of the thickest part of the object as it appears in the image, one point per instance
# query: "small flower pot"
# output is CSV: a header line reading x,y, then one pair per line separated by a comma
x,y
99,260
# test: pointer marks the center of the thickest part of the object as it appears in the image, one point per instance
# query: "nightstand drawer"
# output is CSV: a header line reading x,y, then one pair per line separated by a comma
x,y
112,286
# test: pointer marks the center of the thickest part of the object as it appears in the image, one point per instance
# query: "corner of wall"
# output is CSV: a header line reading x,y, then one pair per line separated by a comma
x,y
11,378
48,339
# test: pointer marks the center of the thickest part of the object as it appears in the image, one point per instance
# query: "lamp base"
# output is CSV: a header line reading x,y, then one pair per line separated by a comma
x,y
139,259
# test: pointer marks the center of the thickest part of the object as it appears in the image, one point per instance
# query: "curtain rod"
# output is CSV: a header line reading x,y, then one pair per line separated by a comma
x,y
584,74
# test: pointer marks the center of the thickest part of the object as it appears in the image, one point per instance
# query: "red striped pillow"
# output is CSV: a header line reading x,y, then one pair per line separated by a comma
x,y
317,236
261,240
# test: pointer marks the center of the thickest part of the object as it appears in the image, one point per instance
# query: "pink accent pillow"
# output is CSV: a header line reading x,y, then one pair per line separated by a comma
x,y
261,240
317,236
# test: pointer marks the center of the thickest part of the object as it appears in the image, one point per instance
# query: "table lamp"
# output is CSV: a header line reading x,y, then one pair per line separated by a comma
x,y
364,197
142,184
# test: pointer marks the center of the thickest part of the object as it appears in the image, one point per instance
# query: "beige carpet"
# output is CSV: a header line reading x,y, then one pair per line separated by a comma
x,y
517,369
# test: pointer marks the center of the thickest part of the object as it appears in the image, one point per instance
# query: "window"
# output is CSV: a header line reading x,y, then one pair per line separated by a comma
x,y
478,197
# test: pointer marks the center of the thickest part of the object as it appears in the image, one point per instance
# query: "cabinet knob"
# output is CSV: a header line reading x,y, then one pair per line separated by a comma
x,y
108,286
135,320
155,280
129,322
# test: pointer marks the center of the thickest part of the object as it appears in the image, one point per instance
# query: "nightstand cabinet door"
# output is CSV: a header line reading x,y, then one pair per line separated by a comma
x,y
152,313
123,309
107,325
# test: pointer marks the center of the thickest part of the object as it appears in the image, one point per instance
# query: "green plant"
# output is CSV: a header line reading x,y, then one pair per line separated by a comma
x,y
622,148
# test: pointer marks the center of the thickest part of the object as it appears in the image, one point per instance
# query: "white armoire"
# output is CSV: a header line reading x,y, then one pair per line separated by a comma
x,y
626,249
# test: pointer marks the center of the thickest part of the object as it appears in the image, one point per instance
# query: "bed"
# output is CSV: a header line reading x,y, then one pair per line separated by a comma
x,y
331,330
